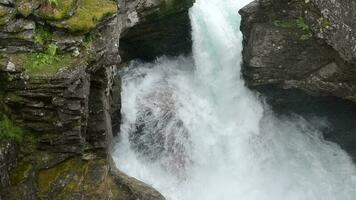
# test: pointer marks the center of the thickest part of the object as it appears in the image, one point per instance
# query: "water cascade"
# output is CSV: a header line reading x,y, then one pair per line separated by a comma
x,y
192,130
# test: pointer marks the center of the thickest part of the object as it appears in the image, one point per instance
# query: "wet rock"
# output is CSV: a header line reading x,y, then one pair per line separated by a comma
x,y
135,188
8,155
154,28
299,57
334,21
159,134
280,49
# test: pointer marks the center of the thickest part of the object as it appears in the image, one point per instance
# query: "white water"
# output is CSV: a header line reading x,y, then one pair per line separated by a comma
x,y
204,136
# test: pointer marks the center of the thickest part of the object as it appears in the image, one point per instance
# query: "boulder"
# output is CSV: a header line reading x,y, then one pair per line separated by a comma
x,y
281,48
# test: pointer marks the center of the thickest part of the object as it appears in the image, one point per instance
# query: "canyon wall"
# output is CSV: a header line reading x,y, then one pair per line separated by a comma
x,y
301,56
60,91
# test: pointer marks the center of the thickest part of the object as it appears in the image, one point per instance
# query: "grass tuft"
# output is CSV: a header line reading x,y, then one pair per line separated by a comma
x,y
8,130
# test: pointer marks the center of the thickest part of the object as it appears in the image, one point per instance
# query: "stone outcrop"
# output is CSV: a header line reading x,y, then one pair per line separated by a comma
x,y
300,56
155,27
300,45
60,91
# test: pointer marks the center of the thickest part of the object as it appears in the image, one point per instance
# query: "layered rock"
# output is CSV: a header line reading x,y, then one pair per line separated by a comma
x,y
59,84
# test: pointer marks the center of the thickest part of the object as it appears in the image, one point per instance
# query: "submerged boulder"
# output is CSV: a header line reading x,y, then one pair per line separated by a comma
x,y
159,134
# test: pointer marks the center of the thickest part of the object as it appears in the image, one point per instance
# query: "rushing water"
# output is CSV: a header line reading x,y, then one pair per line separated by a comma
x,y
193,131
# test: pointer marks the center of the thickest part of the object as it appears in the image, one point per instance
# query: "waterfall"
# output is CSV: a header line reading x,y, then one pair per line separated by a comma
x,y
192,130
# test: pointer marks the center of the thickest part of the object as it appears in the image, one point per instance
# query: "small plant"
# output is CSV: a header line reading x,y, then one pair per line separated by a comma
x,y
306,36
53,2
300,22
42,35
297,24
41,60
8,130
88,40
325,23
284,24
52,50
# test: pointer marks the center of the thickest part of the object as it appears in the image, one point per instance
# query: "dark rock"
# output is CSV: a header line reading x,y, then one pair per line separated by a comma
x,y
334,21
336,115
19,35
72,108
8,161
297,54
136,189
154,28
160,134
280,50
7,2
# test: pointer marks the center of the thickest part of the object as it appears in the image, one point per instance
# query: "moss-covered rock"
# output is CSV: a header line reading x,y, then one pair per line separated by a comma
x,y
26,7
64,177
88,15
43,64
63,9
6,14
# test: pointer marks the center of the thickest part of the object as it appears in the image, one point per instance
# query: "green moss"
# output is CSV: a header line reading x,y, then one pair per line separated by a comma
x,y
8,130
88,14
21,173
6,14
3,11
26,7
56,10
46,177
45,64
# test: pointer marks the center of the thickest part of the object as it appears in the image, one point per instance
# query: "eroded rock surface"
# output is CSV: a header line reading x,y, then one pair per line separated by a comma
x,y
292,44
59,85
155,27
300,55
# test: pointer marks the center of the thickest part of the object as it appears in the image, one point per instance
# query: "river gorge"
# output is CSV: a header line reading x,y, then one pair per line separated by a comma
x,y
177,100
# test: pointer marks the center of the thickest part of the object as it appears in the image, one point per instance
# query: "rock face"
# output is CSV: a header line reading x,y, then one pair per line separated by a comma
x,y
8,154
300,56
300,45
59,86
155,27
339,17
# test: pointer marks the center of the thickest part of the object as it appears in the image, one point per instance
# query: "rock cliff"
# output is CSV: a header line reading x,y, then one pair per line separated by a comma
x,y
306,45
60,91
301,55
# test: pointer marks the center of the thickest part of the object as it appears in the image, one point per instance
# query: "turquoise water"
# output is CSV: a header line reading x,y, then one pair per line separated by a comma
x,y
193,130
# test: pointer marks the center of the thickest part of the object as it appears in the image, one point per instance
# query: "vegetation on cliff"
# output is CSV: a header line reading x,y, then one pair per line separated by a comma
x,y
8,130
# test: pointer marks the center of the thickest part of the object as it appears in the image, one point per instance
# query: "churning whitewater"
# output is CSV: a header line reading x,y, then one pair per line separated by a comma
x,y
192,130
